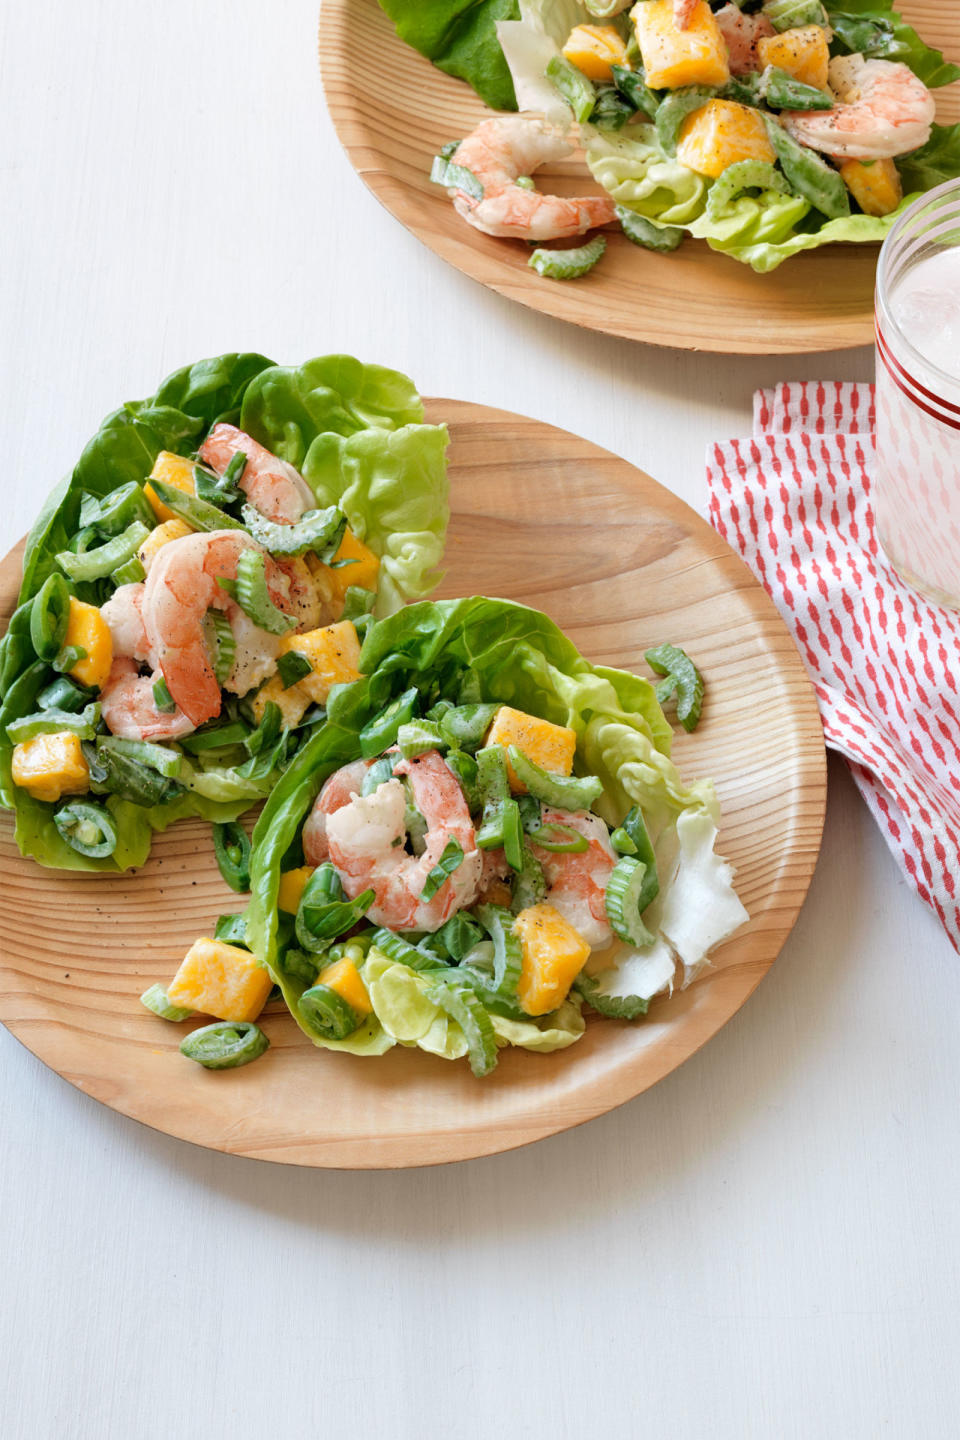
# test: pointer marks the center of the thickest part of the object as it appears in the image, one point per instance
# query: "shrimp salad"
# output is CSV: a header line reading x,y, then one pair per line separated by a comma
x,y
486,837
195,591
765,127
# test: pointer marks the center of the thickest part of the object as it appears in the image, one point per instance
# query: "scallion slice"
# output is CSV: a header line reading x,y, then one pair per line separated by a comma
x,y
226,1045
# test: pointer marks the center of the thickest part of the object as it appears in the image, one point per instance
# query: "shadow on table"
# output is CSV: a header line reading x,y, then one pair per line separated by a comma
x,y
685,1131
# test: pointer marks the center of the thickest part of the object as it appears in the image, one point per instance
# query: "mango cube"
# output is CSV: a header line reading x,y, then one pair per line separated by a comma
x,y
334,655
673,57
174,470
344,977
160,535
292,885
87,628
363,572
803,52
875,185
594,49
550,746
721,133
220,980
49,766
554,953
293,702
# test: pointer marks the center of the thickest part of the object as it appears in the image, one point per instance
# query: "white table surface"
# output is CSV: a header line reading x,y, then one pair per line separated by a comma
x,y
764,1245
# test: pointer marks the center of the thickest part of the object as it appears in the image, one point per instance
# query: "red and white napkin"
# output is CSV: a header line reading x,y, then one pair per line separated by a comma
x,y
794,500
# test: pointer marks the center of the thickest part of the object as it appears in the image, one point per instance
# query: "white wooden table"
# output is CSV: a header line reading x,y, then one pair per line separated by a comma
x,y
765,1245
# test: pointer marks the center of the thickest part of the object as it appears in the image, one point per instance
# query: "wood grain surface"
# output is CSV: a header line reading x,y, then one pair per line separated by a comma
x,y
541,517
393,110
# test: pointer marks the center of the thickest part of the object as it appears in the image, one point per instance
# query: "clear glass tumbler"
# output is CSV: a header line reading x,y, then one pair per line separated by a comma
x,y
917,490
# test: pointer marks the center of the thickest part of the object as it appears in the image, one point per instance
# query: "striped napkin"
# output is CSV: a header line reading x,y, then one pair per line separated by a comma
x,y
794,500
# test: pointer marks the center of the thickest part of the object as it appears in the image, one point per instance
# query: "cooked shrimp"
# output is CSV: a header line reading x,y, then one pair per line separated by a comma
x,y
180,589
741,33
343,786
277,490
498,153
683,12
365,840
306,598
123,613
578,882
883,110
129,709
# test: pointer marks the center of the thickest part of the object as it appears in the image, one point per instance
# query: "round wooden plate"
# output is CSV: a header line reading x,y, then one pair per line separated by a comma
x,y
393,110
621,564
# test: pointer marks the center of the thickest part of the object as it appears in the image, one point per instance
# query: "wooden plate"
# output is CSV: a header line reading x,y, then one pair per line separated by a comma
x,y
393,110
621,564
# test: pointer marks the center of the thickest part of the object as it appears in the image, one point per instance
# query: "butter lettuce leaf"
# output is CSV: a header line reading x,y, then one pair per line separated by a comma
x,y
530,43
933,163
459,36
633,169
875,29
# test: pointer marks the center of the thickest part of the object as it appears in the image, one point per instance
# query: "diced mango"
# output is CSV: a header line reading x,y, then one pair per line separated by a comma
x,y
593,49
160,535
363,572
673,57
86,627
875,185
721,133
344,977
49,766
174,470
803,52
333,653
550,746
221,980
554,953
292,885
294,702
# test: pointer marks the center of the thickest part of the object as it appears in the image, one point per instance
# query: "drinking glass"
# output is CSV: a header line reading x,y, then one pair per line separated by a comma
x,y
916,495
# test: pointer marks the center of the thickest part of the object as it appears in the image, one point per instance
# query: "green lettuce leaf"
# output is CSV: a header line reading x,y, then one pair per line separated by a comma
x,y
768,218
764,256
530,43
459,36
631,167
875,29
933,163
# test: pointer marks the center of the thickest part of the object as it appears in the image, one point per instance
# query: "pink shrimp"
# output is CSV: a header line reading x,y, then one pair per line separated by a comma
x,y
123,613
365,839
129,709
277,490
180,589
683,12
498,153
883,110
578,882
741,33
343,786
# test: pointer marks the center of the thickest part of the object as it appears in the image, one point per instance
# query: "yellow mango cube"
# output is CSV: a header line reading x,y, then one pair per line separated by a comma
x,y
49,766
292,885
673,57
550,746
594,49
294,702
875,185
803,52
174,470
721,133
554,953
160,535
334,655
220,980
344,977
86,627
363,572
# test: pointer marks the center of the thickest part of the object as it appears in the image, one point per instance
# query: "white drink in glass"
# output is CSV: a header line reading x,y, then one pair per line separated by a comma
x,y
917,490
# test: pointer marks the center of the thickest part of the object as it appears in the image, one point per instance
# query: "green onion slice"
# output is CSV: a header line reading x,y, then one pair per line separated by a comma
x,y
162,698
381,732
450,860
563,839
63,694
327,1014
568,264
166,762
49,617
682,678
250,591
198,514
226,1045
88,829
103,559
50,722
68,657
157,1000
562,792
231,845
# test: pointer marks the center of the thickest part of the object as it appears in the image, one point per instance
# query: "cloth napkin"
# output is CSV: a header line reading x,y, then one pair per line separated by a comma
x,y
794,500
